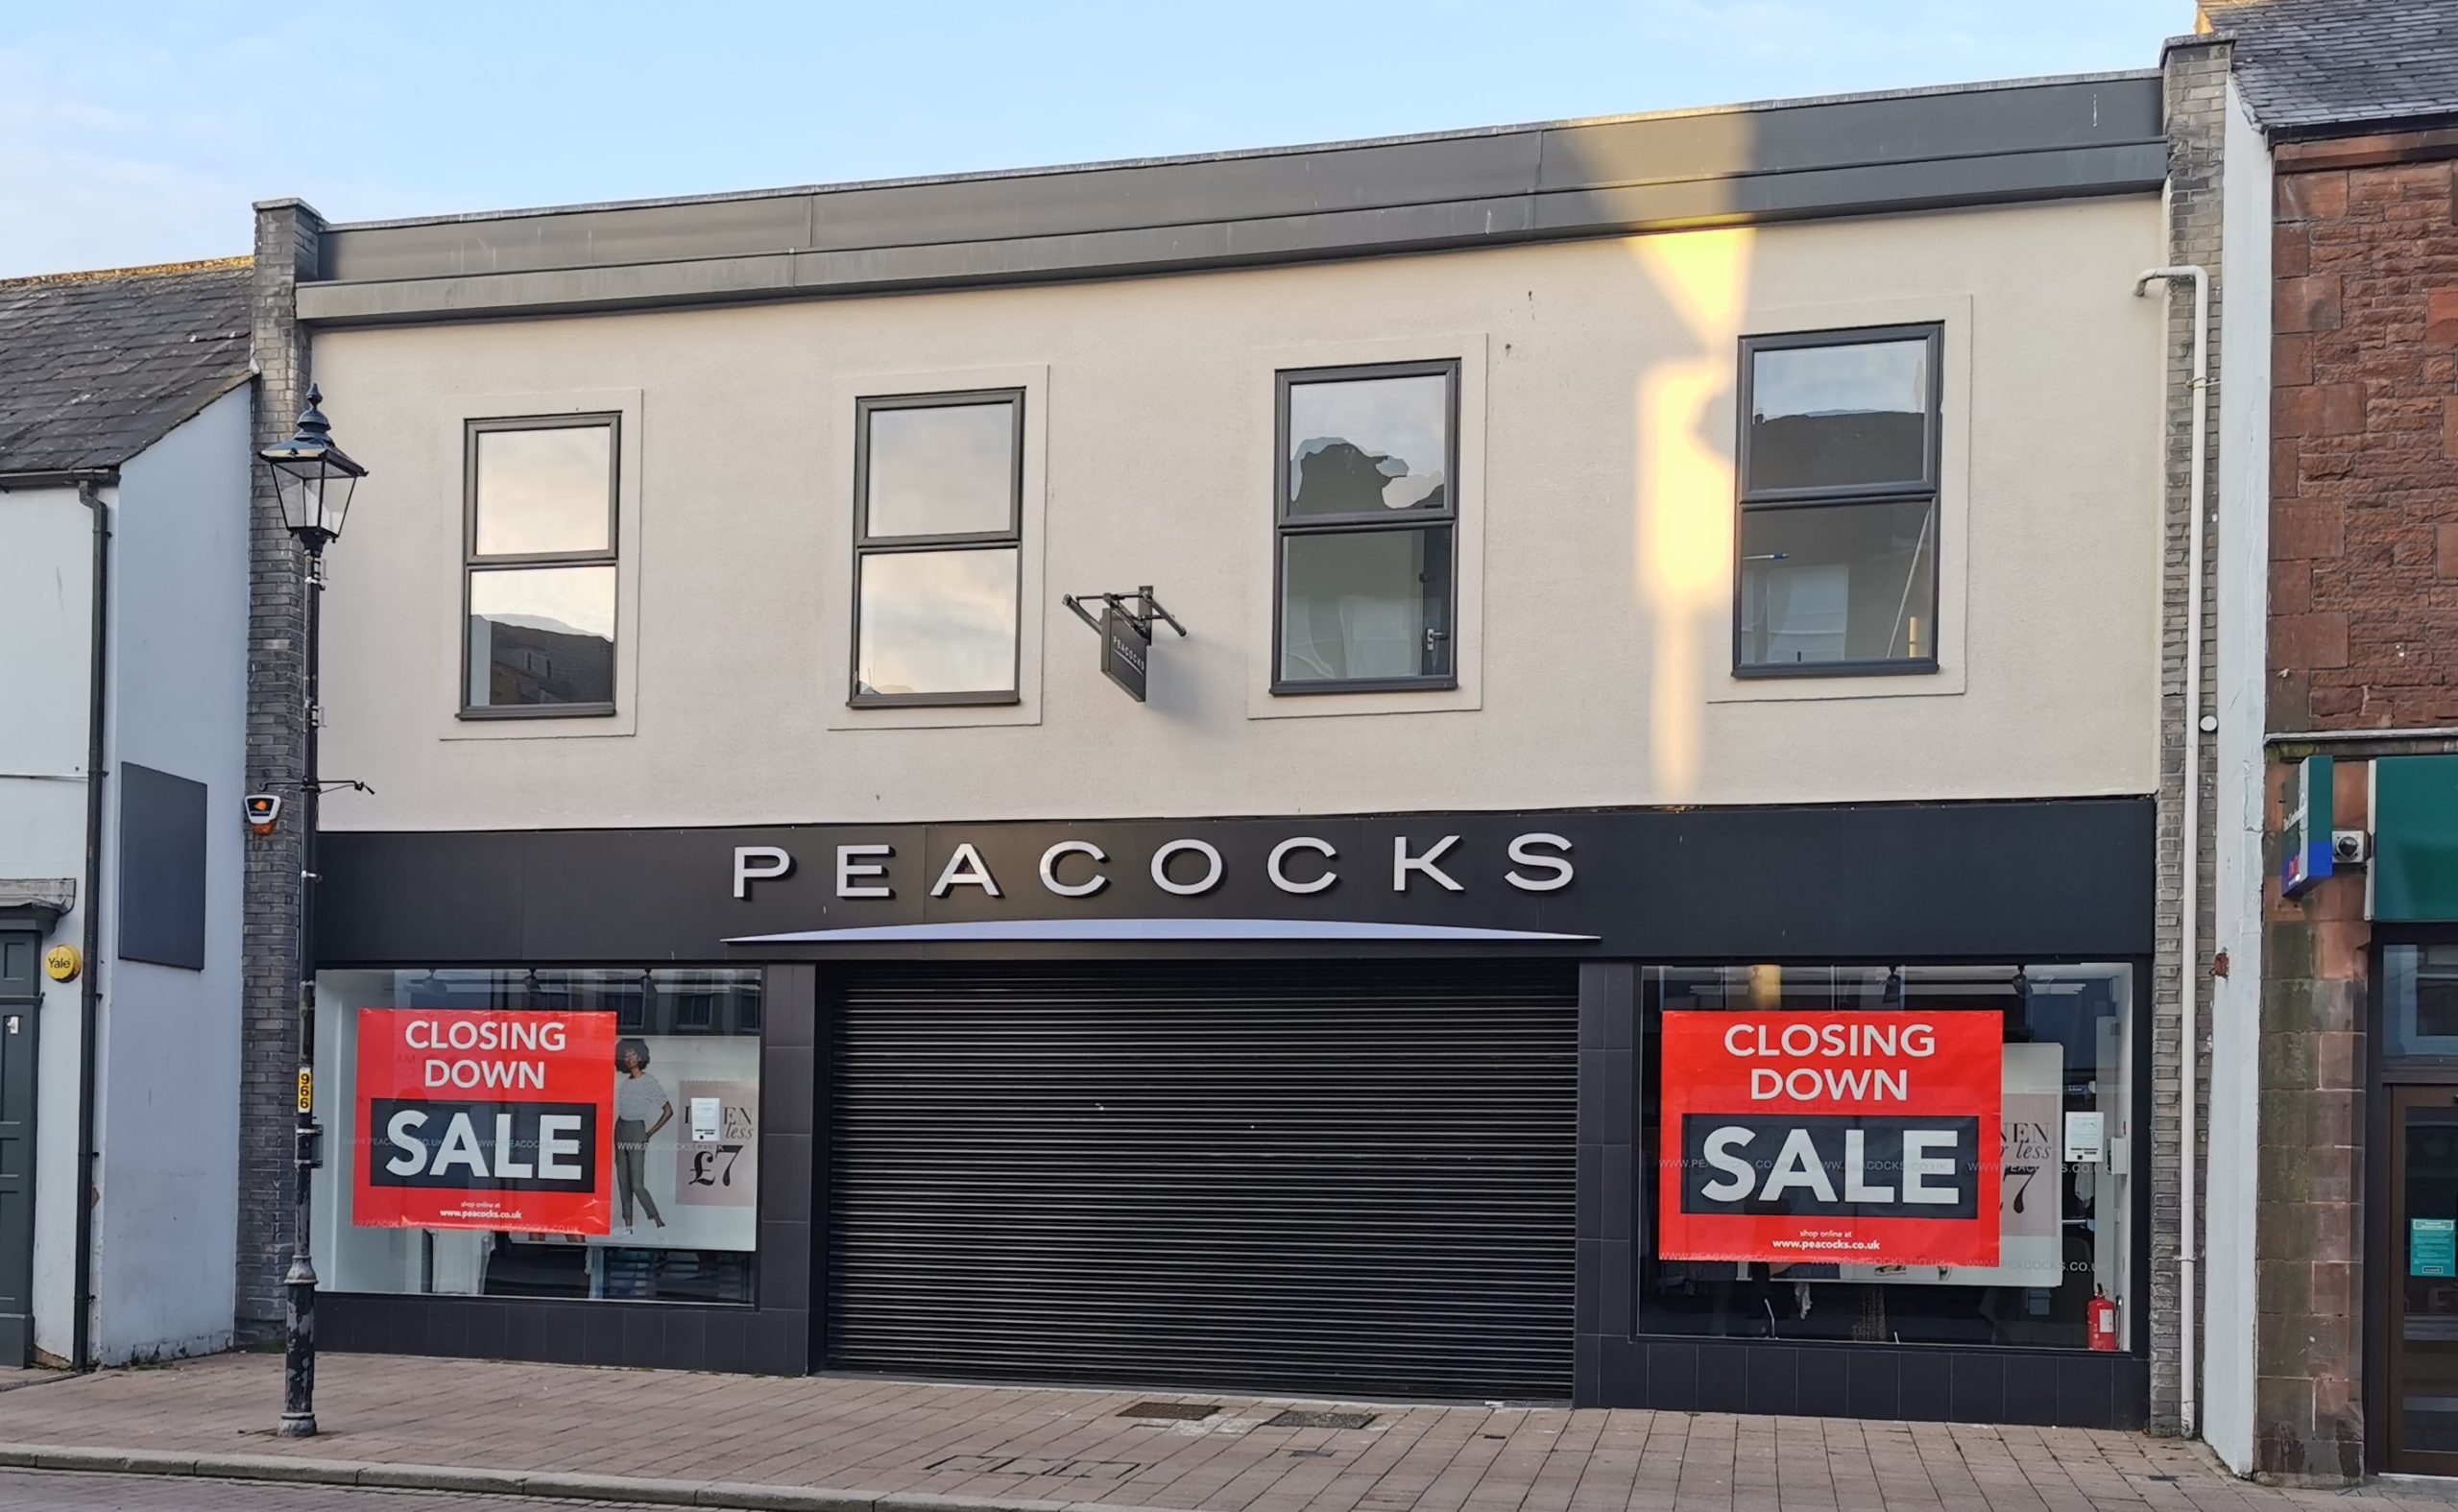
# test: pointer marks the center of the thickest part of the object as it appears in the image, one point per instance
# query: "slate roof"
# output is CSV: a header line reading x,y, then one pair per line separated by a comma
x,y
96,367
2310,65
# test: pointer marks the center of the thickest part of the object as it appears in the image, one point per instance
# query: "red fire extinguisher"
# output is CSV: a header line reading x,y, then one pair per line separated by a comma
x,y
2101,1319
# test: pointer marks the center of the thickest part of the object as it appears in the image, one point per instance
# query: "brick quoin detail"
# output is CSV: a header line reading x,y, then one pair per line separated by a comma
x,y
288,241
2195,89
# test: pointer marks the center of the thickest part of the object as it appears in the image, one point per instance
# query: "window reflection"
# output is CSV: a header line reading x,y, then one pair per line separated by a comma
x,y
544,490
935,619
1365,445
941,469
542,636
938,622
1365,502
1839,416
540,566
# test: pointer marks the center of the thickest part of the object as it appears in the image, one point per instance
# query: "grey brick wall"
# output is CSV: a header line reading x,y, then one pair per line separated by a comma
x,y
288,238
2196,101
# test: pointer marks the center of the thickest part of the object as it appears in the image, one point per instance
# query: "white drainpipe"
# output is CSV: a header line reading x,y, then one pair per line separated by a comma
x,y
2189,948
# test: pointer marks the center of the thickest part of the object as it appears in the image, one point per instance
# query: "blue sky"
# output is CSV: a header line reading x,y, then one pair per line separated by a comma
x,y
139,132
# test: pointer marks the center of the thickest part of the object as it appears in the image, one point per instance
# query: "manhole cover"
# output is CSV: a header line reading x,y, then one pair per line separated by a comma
x,y
1173,1411
1326,1420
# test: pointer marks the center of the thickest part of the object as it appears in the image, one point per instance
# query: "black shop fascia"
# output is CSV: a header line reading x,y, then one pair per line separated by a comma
x,y
1980,881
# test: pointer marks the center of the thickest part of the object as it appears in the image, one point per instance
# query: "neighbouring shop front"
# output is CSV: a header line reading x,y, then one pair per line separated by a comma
x,y
1790,1110
2405,810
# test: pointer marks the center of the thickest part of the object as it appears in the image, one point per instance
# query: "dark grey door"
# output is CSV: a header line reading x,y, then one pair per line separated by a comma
x,y
1319,1177
20,992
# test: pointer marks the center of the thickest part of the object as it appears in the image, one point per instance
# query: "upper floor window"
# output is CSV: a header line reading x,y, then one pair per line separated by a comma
x,y
938,543
1837,537
539,565
1366,510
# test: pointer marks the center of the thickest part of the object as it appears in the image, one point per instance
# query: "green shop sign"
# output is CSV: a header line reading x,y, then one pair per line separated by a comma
x,y
2414,840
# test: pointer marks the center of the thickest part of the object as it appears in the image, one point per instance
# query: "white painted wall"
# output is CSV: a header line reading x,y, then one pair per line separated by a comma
x,y
1597,469
2243,544
166,1229
46,623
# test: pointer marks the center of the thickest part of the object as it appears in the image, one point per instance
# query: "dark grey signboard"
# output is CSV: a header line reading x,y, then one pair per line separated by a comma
x,y
161,868
1127,652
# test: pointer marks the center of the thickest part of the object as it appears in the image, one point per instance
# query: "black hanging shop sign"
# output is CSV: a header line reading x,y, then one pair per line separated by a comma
x,y
1126,633
1127,650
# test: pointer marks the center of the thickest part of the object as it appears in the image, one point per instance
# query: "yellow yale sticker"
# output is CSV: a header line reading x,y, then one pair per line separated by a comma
x,y
306,1089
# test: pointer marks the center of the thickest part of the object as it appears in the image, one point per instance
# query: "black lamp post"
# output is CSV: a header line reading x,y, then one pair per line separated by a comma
x,y
313,478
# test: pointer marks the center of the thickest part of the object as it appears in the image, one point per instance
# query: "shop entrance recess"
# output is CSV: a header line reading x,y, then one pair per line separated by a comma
x,y
2419,1294
20,992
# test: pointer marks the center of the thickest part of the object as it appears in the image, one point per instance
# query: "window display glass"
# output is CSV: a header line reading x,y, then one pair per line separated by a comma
x,y
2420,1000
1916,1154
547,1133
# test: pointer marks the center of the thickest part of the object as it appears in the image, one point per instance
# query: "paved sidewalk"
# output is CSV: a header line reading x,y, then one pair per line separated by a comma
x,y
1041,1450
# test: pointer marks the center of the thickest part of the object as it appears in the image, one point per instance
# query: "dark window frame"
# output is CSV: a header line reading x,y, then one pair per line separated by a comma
x,y
473,562
1286,525
867,546
1928,489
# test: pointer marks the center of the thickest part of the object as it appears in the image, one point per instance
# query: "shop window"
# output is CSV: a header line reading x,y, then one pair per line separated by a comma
x,y
1367,503
938,509
546,1133
2420,1000
1822,1174
538,572
1836,543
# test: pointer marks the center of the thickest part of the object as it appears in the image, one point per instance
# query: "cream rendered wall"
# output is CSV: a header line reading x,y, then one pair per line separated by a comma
x,y
1597,420
167,1116
47,623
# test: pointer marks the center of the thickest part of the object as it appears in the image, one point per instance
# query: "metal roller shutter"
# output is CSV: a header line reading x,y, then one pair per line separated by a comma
x,y
1337,1178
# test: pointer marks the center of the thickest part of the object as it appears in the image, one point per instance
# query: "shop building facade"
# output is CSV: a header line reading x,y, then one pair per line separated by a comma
x,y
1666,604
124,532
2332,1077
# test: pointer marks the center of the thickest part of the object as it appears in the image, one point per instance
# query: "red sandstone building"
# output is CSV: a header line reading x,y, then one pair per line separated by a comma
x,y
2327,170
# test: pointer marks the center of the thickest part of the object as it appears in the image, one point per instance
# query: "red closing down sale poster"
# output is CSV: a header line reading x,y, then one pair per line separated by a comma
x,y
485,1120
1865,1138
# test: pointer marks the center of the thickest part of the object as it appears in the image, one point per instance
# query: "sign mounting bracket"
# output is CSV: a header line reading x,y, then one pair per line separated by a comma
x,y
1116,603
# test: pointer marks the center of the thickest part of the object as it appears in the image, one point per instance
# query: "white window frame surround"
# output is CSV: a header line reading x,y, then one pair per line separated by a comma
x,y
630,429
841,394
1951,314
1259,498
